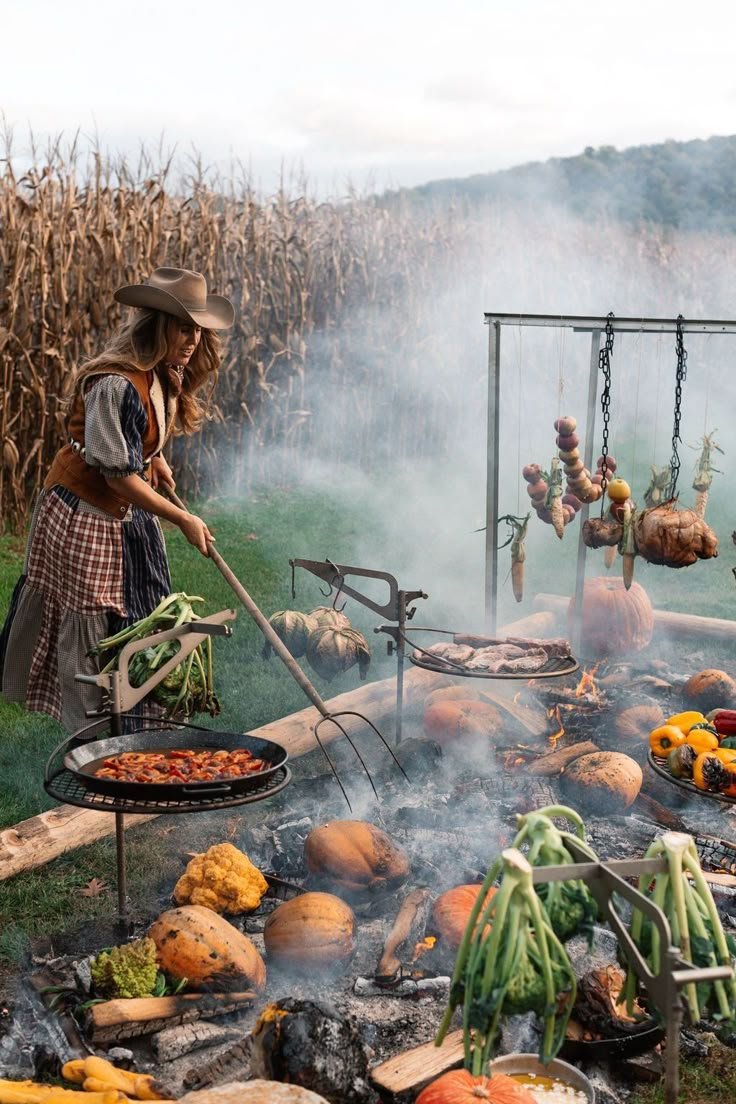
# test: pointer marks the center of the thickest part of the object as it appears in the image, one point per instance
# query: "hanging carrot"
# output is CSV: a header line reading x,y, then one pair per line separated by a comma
x,y
627,547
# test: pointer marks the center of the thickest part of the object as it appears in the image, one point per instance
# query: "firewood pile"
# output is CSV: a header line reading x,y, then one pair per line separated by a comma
x,y
357,953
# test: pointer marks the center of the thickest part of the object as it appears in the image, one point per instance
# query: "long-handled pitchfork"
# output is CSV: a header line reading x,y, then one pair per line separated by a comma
x,y
295,670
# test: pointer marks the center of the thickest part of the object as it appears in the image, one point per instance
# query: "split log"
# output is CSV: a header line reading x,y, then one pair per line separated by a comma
x,y
685,626
407,928
415,1068
175,1042
36,841
554,762
124,1019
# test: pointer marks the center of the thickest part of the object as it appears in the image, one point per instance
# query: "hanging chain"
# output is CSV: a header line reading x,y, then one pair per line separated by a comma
x,y
680,377
604,363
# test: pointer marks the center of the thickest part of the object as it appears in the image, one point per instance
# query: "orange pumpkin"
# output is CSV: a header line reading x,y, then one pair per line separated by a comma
x,y
614,620
448,721
196,943
311,929
461,1087
451,913
355,857
710,689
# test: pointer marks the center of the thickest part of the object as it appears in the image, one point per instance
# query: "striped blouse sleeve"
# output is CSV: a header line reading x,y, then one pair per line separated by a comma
x,y
114,426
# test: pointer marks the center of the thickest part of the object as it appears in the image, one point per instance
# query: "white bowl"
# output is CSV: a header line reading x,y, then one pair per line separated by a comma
x,y
529,1063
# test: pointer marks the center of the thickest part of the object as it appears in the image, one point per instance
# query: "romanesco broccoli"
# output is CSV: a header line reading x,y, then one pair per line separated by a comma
x,y
126,971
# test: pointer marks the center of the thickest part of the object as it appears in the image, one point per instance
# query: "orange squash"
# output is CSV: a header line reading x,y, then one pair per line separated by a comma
x,y
614,620
461,1087
355,857
196,943
450,721
606,781
314,929
451,912
710,689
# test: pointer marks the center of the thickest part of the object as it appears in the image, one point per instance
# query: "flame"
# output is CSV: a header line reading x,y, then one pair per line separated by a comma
x,y
517,698
554,715
422,948
587,685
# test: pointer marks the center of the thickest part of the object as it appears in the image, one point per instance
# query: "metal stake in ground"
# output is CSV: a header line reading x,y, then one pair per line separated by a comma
x,y
295,670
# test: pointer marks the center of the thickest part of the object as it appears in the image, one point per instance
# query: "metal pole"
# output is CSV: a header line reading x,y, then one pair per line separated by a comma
x,y
399,641
116,729
577,630
672,1038
494,389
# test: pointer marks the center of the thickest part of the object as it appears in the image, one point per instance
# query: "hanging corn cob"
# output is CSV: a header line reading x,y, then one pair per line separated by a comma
x,y
704,473
517,536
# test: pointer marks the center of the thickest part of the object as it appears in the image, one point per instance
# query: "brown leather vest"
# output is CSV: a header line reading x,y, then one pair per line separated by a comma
x,y
70,469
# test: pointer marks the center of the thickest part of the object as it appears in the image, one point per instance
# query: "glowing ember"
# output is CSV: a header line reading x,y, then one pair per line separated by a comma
x,y
422,948
587,685
554,715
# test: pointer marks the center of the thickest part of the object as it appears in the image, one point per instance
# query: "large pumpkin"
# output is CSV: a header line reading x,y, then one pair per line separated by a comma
x,y
461,1087
604,781
451,912
710,689
463,720
355,857
615,620
196,943
313,929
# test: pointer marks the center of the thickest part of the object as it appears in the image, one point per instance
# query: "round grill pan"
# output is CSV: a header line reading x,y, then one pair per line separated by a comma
x,y
83,761
553,668
659,765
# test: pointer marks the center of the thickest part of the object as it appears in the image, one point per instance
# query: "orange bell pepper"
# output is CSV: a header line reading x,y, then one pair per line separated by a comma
x,y
709,773
730,788
665,739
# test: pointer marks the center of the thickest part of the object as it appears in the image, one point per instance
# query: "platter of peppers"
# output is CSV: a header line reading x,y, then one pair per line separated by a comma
x,y
698,752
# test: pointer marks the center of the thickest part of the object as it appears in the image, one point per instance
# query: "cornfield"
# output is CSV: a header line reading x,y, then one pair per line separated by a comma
x,y
294,268
358,333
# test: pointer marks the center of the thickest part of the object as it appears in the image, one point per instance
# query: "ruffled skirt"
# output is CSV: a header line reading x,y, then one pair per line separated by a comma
x,y
86,576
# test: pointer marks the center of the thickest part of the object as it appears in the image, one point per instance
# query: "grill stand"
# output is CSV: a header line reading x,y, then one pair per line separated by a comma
x,y
119,696
396,609
607,878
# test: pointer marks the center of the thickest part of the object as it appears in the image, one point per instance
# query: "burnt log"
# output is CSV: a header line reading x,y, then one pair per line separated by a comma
x,y
554,762
406,932
308,1043
126,1018
175,1042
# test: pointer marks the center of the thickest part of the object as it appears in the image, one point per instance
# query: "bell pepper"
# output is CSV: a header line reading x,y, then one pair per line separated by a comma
x,y
664,739
702,739
730,788
728,742
685,721
709,773
724,721
726,755
680,761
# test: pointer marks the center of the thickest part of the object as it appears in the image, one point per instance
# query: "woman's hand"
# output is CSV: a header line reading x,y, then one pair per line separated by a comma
x,y
160,474
196,532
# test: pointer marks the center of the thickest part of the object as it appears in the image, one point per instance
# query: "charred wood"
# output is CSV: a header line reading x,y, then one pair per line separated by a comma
x,y
124,1019
175,1042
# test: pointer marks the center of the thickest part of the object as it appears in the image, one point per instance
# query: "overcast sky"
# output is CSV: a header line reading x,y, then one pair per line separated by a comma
x,y
382,93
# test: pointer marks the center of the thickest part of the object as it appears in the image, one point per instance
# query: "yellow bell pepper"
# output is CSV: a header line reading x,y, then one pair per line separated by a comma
x,y
685,721
701,739
665,739
726,755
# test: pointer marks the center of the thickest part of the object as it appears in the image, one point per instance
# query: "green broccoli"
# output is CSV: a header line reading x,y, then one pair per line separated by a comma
x,y
127,971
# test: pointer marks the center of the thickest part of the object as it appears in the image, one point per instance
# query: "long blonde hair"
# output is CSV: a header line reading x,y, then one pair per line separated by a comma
x,y
141,344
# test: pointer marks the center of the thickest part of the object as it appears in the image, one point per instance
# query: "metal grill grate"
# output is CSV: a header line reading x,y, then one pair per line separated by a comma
x,y
555,667
65,787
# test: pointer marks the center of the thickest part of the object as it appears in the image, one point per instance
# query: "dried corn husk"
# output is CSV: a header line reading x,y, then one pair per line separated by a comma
x,y
292,628
672,537
325,617
330,651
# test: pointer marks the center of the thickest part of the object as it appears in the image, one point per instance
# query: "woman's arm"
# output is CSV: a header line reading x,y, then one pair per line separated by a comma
x,y
135,490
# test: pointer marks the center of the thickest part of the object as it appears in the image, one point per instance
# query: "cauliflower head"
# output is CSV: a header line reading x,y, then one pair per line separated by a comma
x,y
126,971
222,879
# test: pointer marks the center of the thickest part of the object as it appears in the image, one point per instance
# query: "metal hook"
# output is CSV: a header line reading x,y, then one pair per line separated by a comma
x,y
338,579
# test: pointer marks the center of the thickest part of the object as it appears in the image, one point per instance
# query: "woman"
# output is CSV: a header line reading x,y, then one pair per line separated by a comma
x,y
96,559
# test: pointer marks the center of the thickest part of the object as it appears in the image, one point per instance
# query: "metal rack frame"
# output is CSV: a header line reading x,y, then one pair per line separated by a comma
x,y
608,878
579,324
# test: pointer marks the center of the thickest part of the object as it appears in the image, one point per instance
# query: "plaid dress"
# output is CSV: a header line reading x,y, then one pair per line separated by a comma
x,y
86,574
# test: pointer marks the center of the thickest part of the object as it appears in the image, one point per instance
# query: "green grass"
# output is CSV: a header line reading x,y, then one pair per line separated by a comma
x,y
710,1080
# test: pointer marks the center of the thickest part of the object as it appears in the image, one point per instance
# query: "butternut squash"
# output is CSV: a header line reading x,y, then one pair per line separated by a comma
x,y
196,943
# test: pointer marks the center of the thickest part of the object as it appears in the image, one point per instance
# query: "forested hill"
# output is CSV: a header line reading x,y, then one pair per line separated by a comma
x,y
690,185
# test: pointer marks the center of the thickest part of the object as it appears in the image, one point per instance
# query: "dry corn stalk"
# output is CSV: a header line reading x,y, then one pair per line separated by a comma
x,y
704,473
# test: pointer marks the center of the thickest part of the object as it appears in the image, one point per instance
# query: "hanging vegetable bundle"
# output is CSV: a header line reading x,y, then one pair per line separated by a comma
x,y
188,688
512,958
325,637
704,473
683,894
672,537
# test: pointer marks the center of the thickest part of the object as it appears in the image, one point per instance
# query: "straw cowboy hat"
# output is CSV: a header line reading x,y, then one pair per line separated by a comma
x,y
181,293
